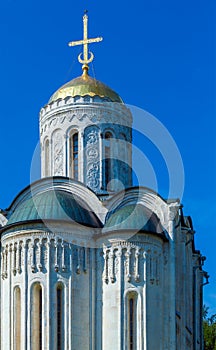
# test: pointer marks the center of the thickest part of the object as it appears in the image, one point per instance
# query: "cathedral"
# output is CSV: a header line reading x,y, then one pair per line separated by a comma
x,y
88,261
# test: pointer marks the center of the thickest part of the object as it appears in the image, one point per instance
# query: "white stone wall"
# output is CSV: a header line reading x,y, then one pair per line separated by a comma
x,y
134,267
91,119
99,268
48,259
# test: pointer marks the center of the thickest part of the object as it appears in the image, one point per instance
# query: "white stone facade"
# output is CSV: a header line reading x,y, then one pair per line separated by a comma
x,y
84,266
100,269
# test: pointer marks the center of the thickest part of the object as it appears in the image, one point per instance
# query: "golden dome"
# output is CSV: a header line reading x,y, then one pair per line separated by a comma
x,y
85,86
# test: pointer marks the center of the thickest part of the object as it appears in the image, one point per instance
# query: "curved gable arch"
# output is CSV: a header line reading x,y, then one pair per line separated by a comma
x,y
146,197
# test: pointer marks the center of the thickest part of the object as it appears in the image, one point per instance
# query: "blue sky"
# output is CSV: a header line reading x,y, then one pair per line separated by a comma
x,y
158,55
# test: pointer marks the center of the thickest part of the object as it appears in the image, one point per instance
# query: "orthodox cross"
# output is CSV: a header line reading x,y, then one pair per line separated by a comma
x,y
86,58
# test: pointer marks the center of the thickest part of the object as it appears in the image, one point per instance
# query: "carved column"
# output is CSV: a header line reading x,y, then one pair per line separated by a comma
x,y
111,265
137,255
56,246
127,264
18,267
63,256
14,257
40,247
6,262
33,265
106,261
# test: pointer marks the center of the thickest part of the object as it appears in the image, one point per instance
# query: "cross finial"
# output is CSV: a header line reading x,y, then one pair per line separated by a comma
x,y
84,57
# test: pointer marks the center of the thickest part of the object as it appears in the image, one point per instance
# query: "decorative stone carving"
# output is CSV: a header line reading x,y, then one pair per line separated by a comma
x,y
37,252
106,272
127,264
133,259
32,255
118,261
92,153
56,245
40,250
63,256
57,153
14,255
92,157
111,266
55,117
93,175
3,263
92,136
137,254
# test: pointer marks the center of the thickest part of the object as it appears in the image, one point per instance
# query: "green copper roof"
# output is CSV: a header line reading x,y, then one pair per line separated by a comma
x,y
85,86
54,205
134,217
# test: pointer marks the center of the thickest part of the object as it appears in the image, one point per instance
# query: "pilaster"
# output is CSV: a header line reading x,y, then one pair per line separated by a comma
x,y
172,215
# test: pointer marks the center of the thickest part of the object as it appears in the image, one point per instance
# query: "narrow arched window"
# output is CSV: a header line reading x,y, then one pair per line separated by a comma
x,y
17,319
132,321
107,159
36,317
74,155
59,316
47,158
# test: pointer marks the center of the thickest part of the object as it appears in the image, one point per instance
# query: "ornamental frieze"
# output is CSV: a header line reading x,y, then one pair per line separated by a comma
x,y
133,262
42,254
94,116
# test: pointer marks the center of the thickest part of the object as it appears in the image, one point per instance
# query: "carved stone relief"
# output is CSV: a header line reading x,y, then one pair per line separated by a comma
x,y
57,154
130,259
92,157
94,115
39,252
